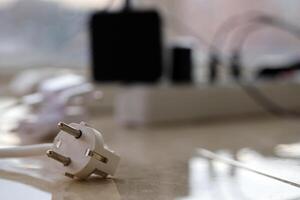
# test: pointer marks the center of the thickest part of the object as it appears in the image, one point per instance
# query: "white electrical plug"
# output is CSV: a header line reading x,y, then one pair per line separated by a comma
x,y
82,152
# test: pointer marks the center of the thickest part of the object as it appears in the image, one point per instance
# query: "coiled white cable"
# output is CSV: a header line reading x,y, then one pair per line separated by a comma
x,y
25,151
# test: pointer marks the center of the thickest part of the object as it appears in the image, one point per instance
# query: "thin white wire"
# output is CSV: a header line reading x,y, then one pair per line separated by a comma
x,y
25,151
212,156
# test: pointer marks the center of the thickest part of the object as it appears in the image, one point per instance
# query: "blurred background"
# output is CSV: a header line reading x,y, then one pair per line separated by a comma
x,y
43,33
161,79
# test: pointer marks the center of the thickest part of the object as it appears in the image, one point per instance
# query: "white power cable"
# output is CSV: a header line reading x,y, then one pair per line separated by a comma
x,y
25,151
213,156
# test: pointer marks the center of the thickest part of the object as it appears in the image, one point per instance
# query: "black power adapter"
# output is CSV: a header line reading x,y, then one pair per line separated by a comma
x,y
182,65
126,46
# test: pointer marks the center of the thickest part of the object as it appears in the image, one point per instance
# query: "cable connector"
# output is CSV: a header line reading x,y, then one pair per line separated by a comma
x,y
82,152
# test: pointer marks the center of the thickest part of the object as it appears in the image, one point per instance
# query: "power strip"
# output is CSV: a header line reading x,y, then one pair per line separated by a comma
x,y
156,104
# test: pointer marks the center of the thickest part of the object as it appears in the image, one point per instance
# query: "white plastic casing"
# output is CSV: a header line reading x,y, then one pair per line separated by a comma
x,y
88,153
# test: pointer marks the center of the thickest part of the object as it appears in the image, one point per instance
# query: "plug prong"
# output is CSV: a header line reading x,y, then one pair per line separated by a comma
x,y
96,155
70,130
60,158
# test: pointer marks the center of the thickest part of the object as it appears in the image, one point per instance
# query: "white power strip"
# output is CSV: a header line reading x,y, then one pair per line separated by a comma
x,y
156,104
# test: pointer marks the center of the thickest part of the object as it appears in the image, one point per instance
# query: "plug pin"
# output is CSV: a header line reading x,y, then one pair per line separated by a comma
x,y
60,158
96,156
70,130
69,175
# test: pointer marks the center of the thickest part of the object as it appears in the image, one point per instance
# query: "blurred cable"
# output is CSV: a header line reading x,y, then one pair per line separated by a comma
x,y
211,156
236,63
251,18
232,23
127,5
254,21
222,33
265,22
265,102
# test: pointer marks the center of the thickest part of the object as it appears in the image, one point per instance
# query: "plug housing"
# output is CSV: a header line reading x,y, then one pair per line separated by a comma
x,y
82,152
